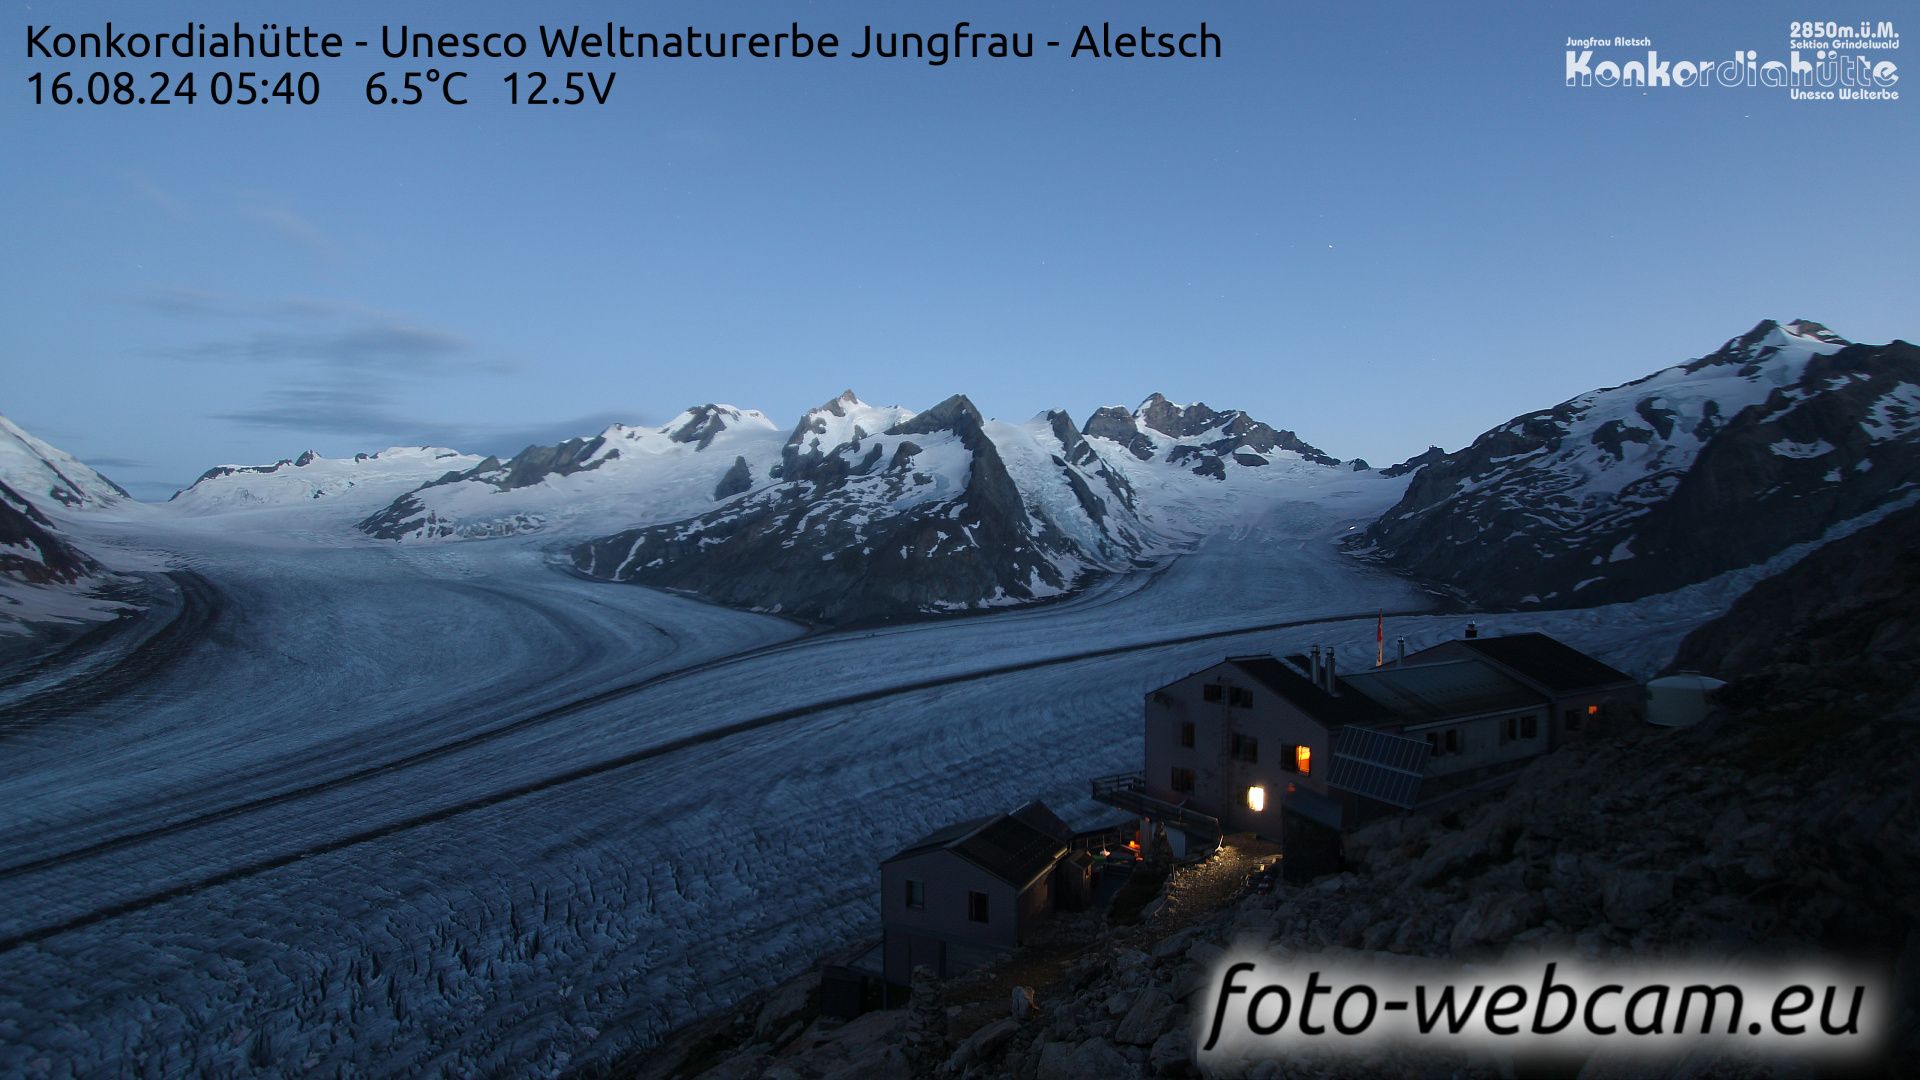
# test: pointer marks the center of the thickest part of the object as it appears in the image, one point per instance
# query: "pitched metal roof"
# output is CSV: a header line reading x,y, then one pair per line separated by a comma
x,y
939,838
1011,848
1456,688
1040,817
1296,688
1555,665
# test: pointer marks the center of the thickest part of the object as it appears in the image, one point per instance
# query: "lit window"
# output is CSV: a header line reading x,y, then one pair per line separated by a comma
x,y
1303,759
1593,710
1257,799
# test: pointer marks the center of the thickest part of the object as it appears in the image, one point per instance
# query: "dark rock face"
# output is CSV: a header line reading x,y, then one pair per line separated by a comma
x,y
1848,614
1078,462
1646,487
861,533
739,478
1415,463
1230,436
1117,424
705,422
810,452
31,549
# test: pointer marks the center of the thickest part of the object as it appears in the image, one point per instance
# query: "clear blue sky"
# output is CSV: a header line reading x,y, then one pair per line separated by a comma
x,y
1379,225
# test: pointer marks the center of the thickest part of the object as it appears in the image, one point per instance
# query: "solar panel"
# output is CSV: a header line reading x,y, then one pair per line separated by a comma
x,y
1378,765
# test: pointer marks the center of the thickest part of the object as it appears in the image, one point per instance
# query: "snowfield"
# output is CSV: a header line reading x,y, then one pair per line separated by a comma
x,y
448,808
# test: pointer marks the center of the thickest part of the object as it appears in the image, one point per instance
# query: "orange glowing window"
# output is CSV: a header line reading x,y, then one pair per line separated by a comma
x,y
1593,710
1303,759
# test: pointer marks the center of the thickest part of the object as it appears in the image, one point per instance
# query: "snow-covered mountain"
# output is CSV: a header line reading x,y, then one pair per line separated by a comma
x,y
38,471
939,511
365,480
622,475
1697,469
47,576
31,549
870,512
1199,438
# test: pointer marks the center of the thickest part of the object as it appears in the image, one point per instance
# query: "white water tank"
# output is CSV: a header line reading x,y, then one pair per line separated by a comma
x,y
1681,700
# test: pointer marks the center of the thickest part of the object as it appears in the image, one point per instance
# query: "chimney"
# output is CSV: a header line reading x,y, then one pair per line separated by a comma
x,y
1313,666
1403,652
1473,629
1330,683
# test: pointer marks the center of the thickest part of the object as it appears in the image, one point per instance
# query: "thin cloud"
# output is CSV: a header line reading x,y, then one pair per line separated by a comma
x,y
384,346
319,331
293,228
364,414
165,200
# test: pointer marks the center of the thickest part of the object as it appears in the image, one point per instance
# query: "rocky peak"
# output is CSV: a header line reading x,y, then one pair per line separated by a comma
x,y
1415,463
702,424
1818,331
956,414
1118,425
1180,422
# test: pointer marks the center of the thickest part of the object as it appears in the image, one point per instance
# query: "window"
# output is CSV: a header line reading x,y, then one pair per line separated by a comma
x,y
1211,692
977,907
1453,740
1256,798
1186,733
1529,726
916,894
1244,748
1182,780
1573,719
1433,744
1303,759
1239,698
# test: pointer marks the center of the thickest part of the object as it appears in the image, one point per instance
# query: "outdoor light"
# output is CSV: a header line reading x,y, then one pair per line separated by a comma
x,y
1257,798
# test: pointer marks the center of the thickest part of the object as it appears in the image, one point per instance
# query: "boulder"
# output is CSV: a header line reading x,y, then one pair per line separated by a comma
x,y
982,1045
1147,1020
1630,897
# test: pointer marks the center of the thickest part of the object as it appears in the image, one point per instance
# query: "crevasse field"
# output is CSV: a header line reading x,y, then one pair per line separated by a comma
x,y
446,808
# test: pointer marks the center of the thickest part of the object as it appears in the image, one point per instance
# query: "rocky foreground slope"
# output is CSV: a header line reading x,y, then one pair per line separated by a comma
x,y
1789,824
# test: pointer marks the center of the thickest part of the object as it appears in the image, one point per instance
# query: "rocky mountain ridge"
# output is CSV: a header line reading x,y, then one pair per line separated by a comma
x,y
921,517
1772,440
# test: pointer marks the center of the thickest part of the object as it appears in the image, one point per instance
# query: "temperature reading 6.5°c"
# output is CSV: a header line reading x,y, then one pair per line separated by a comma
x,y
414,87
